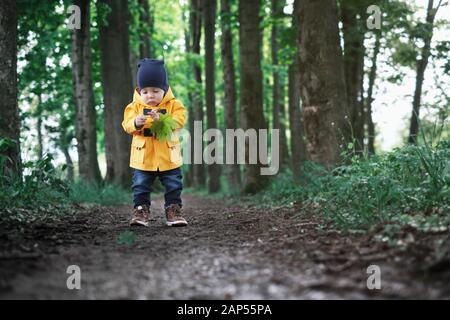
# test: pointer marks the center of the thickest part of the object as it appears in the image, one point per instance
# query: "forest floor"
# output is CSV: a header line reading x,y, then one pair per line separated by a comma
x,y
228,251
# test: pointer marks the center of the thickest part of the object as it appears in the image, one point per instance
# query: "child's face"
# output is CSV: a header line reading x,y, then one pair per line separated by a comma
x,y
152,96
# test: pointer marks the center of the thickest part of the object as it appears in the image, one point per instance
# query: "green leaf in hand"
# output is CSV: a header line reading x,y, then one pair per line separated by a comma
x,y
163,127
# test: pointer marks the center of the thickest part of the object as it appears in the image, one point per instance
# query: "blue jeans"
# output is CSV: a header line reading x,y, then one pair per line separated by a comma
x,y
170,179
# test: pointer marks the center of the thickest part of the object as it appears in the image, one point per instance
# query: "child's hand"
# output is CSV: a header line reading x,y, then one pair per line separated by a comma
x,y
140,120
155,115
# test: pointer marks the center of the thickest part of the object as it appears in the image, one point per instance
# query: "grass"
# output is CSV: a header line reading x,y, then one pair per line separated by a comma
x,y
408,186
41,193
108,195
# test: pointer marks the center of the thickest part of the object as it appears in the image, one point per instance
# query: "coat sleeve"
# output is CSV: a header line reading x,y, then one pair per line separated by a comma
x,y
179,114
129,115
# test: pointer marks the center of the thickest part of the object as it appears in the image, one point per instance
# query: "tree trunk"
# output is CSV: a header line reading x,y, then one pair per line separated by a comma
x,y
298,139
189,177
322,84
275,4
252,115
209,8
284,151
371,84
353,31
40,146
196,29
229,76
134,59
86,128
9,119
190,173
421,67
64,143
117,90
69,162
298,142
145,48
145,34
277,95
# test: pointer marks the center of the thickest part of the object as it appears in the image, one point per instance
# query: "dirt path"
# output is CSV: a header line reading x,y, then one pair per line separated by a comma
x,y
226,252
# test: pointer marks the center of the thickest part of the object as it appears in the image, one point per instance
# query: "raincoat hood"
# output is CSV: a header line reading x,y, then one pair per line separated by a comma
x,y
167,97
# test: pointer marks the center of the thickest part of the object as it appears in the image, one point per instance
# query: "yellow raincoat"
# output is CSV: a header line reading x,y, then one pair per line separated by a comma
x,y
147,153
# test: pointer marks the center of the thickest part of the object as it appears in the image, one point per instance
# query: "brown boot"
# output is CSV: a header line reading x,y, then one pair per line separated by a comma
x,y
141,215
174,216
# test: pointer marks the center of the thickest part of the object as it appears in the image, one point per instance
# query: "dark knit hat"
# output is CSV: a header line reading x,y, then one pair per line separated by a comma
x,y
152,73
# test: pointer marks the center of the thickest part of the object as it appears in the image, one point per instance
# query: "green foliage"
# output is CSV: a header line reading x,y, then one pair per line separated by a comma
x,y
91,193
405,54
103,11
38,193
408,185
442,52
163,127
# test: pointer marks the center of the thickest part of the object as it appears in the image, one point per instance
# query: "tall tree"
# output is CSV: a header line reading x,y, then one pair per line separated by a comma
x,y
298,142
322,83
195,26
86,129
369,99
65,137
186,16
146,20
9,120
40,146
141,33
117,87
353,19
252,114
209,10
298,139
278,104
421,65
229,76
